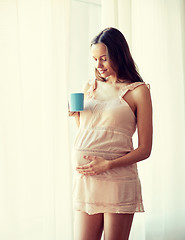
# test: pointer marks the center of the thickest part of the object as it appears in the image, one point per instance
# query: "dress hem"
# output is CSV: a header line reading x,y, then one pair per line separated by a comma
x,y
89,209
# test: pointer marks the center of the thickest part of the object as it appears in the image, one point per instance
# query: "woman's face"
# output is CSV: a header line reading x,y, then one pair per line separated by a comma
x,y
102,64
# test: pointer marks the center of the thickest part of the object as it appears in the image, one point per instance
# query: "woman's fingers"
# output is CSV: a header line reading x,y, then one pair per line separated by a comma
x,y
88,171
92,158
72,114
84,167
96,166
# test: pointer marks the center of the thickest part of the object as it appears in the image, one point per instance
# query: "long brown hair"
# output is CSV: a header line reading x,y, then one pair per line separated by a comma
x,y
118,54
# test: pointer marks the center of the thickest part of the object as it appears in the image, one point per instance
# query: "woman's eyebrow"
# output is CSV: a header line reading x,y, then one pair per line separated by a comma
x,y
101,55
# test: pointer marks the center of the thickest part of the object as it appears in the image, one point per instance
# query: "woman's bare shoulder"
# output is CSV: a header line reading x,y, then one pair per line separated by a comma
x,y
141,95
142,90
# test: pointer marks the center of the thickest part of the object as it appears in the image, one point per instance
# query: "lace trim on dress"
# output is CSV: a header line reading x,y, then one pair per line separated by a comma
x,y
122,91
96,208
93,86
130,87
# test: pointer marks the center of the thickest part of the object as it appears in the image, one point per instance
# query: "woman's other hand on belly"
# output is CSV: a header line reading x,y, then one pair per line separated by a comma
x,y
96,166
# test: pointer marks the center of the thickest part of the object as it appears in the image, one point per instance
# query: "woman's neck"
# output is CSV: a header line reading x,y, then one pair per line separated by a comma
x,y
114,81
111,80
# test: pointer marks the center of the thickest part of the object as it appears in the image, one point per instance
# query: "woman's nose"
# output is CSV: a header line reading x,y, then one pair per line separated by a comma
x,y
98,64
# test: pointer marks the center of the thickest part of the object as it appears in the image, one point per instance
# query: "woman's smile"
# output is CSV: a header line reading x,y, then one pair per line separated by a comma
x,y
101,71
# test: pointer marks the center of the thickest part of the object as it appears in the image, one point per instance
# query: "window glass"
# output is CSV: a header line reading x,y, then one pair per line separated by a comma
x,y
85,24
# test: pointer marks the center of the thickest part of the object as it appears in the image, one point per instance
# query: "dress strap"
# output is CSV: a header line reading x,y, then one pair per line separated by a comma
x,y
131,87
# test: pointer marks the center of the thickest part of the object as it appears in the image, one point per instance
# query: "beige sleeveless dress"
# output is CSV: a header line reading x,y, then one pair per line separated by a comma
x,y
106,130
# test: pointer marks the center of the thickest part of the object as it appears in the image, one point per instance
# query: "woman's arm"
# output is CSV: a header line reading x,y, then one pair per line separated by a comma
x,y
76,115
142,101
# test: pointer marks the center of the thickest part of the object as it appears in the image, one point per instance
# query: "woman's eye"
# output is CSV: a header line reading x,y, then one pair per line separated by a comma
x,y
101,59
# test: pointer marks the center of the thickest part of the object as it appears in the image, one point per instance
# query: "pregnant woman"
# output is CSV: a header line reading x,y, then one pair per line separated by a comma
x,y
107,189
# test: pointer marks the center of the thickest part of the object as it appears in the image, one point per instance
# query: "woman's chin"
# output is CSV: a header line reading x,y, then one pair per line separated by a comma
x,y
104,75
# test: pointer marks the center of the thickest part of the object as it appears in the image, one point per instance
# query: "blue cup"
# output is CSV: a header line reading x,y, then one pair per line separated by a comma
x,y
76,102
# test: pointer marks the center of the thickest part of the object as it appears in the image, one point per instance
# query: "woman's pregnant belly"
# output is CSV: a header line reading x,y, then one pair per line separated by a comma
x,y
129,172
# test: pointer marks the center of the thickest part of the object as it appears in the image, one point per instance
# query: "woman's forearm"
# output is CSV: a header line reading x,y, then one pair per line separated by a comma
x,y
77,119
132,157
76,115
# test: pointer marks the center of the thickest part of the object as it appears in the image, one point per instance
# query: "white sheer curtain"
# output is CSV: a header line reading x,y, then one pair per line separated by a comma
x,y
155,32
35,172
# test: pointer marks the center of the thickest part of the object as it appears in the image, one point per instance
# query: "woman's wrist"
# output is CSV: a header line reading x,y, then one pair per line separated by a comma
x,y
110,165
